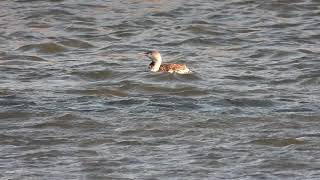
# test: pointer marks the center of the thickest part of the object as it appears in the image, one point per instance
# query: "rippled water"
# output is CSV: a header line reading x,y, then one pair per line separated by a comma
x,y
77,101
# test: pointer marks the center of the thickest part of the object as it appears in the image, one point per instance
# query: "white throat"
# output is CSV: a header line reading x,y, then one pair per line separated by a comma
x,y
157,64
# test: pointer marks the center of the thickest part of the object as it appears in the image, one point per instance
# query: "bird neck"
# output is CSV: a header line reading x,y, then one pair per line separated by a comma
x,y
155,65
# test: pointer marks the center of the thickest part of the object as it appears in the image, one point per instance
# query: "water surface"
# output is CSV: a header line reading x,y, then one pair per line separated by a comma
x,y
77,101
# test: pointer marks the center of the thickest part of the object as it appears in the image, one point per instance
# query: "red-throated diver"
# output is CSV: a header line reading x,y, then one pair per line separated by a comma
x,y
156,66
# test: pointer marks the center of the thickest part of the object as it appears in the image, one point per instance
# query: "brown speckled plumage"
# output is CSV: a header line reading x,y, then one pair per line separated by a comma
x,y
169,67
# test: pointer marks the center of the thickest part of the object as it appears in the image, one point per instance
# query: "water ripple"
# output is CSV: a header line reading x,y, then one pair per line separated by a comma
x,y
47,48
78,102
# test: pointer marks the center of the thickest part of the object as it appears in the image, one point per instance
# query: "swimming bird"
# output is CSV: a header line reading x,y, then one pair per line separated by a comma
x,y
156,66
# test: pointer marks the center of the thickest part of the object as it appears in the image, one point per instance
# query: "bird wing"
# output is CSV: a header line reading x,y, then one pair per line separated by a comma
x,y
172,67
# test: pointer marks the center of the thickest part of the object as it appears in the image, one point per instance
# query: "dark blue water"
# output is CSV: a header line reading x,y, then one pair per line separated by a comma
x,y
77,101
